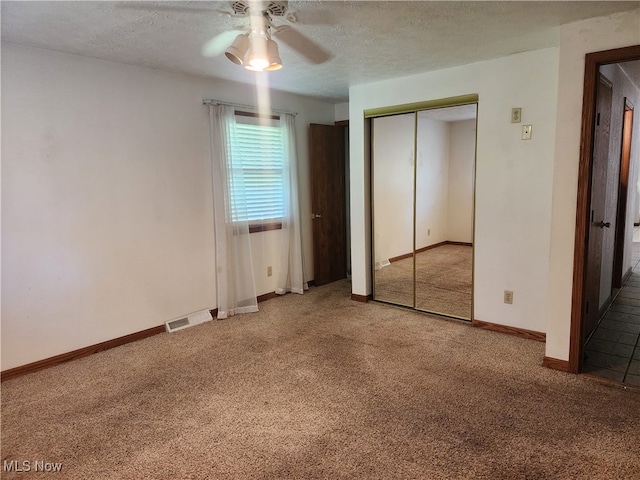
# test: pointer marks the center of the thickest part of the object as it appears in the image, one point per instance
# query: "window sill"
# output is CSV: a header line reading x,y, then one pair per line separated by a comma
x,y
265,227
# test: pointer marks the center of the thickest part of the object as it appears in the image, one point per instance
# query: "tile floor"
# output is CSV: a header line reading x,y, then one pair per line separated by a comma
x,y
613,351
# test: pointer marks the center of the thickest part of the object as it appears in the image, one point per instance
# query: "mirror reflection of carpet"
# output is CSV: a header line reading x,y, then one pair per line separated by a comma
x,y
443,281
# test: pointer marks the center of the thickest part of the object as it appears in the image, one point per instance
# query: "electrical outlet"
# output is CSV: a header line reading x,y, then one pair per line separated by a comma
x,y
428,232
508,297
269,271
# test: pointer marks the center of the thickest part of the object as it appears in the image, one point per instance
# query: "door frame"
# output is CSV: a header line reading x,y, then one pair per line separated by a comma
x,y
593,61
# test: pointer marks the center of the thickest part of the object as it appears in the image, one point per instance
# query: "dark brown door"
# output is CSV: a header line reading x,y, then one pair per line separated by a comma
x,y
597,220
328,203
623,189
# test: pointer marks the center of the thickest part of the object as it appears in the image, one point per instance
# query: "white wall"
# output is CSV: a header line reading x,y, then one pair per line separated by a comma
x,y
341,111
513,177
106,199
576,39
462,153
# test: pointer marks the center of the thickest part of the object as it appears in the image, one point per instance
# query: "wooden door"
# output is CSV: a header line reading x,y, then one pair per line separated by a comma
x,y
327,157
597,220
623,191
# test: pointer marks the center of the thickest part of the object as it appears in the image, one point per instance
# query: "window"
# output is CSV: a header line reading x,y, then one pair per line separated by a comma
x,y
257,149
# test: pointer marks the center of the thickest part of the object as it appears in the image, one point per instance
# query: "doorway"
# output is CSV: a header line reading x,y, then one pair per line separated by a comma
x,y
422,203
611,350
601,236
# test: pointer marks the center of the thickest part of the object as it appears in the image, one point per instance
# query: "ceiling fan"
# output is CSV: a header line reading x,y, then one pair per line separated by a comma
x,y
255,48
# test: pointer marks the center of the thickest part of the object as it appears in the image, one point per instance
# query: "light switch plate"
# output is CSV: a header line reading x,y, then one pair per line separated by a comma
x,y
526,132
516,115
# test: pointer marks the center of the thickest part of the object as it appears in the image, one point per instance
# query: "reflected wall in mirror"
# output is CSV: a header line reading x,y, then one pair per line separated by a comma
x,y
423,211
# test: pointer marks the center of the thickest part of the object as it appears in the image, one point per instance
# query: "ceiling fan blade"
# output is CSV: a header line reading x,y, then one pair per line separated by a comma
x,y
158,7
219,43
306,47
313,17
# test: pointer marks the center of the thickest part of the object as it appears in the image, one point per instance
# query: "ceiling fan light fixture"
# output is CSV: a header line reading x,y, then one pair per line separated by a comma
x,y
273,55
238,49
258,56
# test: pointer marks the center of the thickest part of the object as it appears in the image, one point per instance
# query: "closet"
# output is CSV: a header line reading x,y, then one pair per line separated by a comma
x,y
422,203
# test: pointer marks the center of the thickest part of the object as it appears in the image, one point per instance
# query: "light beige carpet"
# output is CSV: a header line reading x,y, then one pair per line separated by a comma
x,y
319,386
443,281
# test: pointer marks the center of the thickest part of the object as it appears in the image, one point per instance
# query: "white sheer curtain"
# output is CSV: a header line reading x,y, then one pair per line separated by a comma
x,y
234,270
291,277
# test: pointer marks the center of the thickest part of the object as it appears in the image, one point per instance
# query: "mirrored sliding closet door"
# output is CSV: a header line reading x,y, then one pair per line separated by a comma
x,y
423,166
393,179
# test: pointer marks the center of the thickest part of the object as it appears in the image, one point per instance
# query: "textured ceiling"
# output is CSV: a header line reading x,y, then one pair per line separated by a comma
x,y
368,41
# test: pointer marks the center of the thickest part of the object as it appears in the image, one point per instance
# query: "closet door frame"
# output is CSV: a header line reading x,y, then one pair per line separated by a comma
x,y
414,108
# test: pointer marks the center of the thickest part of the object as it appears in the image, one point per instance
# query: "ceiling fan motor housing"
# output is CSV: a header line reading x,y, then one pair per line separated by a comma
x,y
275,9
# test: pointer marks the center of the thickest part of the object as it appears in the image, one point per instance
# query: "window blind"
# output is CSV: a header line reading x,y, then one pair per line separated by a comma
x,y
257,166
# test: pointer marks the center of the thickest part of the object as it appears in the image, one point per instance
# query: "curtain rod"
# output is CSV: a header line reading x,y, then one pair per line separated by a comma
x,y
249,107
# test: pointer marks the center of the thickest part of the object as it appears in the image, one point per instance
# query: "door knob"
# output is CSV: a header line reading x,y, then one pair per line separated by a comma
x,y
315,215
603,224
